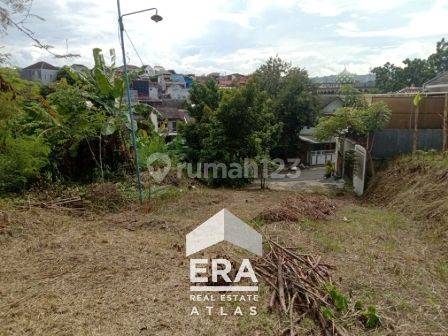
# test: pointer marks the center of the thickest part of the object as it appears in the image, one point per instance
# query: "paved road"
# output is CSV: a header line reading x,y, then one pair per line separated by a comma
x,y
309,180
310,174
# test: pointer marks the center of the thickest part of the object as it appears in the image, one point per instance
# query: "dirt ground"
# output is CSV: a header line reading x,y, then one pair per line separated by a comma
x,y
126,273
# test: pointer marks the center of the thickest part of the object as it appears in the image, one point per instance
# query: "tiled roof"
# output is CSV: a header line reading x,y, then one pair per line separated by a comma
x,y
173,113
440,79
410,89
41,65
324,100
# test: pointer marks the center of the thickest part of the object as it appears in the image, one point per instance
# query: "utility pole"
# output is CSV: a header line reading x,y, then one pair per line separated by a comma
x,y
155,18
445,126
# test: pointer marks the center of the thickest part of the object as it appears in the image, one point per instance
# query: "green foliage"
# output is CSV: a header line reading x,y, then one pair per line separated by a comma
x,y
391,78
203,98
270,75
240,125
352,97
354,121
344,121
150,145
370,318
327,313
340,301
293,102
21,160
417,99
439,60
23,116
329,169
74,129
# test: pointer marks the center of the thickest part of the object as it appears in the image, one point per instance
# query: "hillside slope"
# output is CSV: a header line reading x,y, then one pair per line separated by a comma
x,y
417,186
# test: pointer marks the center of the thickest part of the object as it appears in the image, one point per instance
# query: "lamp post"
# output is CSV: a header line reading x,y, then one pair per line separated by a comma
x,y
156,18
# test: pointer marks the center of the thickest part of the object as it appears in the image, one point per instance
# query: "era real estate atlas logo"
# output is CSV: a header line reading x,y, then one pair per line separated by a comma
x,y
223,286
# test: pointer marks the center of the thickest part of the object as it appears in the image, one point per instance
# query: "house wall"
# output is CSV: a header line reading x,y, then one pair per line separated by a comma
x,y
44,76
332,107
177,92
153,93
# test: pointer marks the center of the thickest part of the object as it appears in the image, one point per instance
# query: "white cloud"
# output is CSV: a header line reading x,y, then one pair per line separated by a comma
x,y
337,7
202,36
432,22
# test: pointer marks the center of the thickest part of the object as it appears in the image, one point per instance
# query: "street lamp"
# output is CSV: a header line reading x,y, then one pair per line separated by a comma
x,y
156,18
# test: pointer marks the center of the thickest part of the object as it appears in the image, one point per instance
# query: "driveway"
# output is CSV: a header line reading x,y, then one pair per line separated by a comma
x,y
309,180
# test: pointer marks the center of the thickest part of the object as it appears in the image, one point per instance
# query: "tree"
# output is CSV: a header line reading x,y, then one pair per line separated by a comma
x,y
388,78
352,97
269,76
417,71
294,104
345,122
439,60
391,78
9,9
242,126
294,107
355,123
203,96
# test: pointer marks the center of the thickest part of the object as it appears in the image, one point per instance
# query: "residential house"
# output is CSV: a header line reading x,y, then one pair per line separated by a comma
x,y
232,80
120,70
328,104
171,117
314,152
411,89
79,68
173,86
437,84
147,89
43,72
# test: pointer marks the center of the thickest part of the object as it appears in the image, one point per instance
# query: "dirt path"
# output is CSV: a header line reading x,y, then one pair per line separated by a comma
x,y
126,274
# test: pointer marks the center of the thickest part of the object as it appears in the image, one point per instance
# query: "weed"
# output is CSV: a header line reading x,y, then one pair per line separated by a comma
x,y
340,300
370,318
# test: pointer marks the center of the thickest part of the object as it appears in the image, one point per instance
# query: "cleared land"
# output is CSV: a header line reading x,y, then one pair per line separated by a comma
x,y
125,273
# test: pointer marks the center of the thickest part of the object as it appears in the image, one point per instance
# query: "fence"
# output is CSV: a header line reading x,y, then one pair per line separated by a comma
x,y
397,138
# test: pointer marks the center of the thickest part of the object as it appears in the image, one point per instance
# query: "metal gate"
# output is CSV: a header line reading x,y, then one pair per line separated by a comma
x,y
320,157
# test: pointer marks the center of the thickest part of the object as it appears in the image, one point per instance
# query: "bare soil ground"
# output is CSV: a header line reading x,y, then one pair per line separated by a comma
x,y
126,273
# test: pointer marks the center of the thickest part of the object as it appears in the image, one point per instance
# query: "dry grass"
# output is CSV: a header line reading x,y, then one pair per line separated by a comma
x,y
416,186
126,273
300,207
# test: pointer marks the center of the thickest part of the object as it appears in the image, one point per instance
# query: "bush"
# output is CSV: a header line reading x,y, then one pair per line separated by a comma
x,y
21,161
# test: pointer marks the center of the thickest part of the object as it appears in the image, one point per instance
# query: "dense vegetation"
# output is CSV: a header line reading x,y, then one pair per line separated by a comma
x,y
391,78
77,129
258,121
74,130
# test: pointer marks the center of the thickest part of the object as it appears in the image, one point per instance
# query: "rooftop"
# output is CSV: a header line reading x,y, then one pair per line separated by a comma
x,y
41,65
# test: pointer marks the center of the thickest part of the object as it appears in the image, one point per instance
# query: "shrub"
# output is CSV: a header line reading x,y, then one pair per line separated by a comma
x,y
21,161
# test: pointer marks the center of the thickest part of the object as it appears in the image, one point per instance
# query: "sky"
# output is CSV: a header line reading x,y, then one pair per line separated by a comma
x,y
227,36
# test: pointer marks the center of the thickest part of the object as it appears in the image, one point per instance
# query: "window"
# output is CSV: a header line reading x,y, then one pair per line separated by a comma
x,y
173,126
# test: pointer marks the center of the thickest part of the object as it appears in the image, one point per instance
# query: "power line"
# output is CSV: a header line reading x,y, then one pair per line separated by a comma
x,y
135,49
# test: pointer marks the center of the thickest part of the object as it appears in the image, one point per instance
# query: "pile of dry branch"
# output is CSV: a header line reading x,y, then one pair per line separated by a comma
x,y
68,203
299,285
300,207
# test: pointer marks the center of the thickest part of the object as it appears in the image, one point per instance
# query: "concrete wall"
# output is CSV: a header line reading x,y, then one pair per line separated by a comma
x,y
392,142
